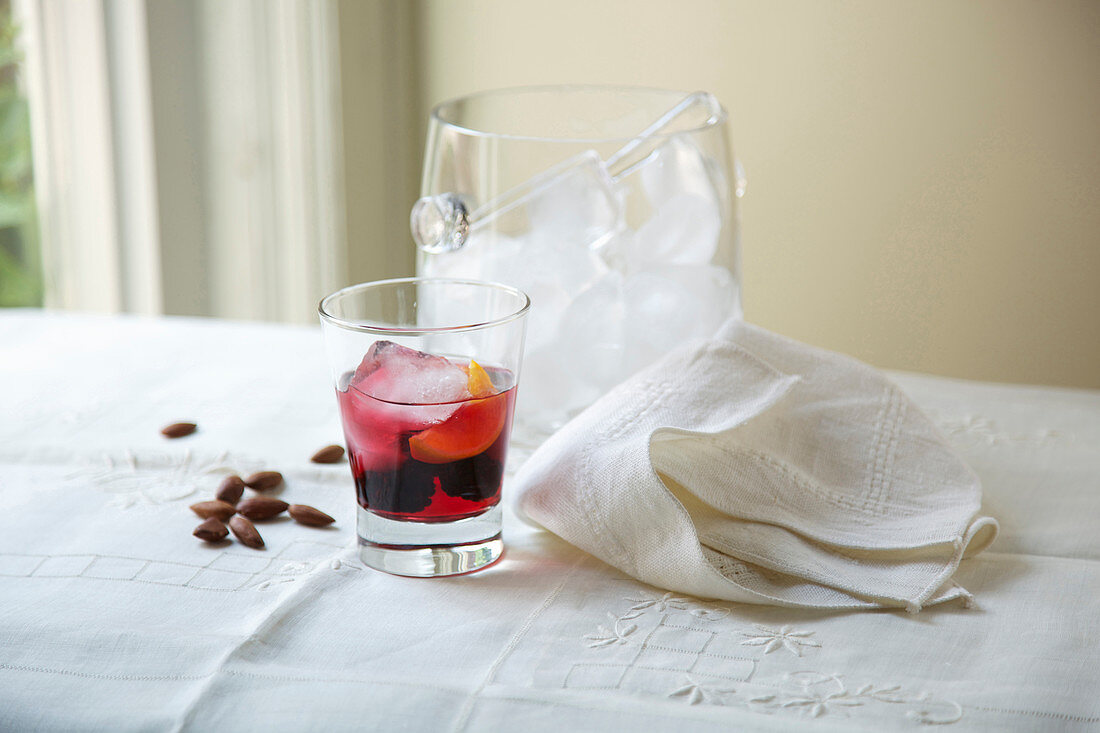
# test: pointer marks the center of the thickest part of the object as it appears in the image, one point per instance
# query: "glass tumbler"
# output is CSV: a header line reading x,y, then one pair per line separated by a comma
x,y
426,372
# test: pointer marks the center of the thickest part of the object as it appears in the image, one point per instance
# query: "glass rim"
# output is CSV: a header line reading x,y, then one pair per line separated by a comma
x,y
437,114
324,306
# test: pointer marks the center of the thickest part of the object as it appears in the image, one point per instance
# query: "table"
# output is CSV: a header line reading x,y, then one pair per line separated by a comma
x,y
112,617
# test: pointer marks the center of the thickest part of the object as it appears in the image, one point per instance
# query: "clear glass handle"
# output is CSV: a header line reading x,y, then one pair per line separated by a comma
x,y
624,160
443,222
439,223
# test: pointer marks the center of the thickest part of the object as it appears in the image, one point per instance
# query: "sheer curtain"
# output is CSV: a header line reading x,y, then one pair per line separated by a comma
x,y
189,154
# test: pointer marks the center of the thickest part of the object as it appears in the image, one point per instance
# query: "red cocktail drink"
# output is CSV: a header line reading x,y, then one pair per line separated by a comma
x,y
427,436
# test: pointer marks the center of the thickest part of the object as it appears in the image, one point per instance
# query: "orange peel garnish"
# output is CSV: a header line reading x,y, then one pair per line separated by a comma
x,y
478,381
469,431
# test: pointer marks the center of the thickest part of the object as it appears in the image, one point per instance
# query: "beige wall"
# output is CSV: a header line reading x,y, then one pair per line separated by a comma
x,y
382,143
924,177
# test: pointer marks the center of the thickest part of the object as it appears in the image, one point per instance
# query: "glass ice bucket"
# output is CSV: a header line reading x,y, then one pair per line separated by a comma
x,y
614,209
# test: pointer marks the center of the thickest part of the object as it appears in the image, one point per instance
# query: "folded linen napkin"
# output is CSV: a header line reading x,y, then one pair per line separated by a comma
x,y
757,469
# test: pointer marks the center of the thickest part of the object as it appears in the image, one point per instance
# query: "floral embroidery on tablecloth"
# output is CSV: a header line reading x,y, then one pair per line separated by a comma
x,y
157,478
816,694
783,638
806,692
981,429
669,602
695,692
292,572
160,477
616,634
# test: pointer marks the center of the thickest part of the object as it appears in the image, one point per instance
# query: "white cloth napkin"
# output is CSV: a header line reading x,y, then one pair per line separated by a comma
x,y
757,469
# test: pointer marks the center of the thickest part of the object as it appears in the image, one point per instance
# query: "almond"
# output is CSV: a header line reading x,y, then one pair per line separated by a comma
x,y
211,530
307,515
178,429
328,454
261,507
246,532
230,489
217,509
264,480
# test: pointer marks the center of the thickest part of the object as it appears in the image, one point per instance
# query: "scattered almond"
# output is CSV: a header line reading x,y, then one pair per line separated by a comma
x,y
307,515
230,489
219,510
211,530
264,480
261,507
246,532
328,454
178,429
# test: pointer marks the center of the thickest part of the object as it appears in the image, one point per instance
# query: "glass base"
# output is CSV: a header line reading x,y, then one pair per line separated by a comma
x,y
431,562
429,550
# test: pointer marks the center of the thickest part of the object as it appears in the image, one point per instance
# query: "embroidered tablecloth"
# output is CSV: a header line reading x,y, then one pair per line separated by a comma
x,y
112,617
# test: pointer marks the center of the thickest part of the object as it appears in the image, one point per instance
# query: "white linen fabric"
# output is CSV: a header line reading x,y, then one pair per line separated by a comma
x,y
114,618
753,468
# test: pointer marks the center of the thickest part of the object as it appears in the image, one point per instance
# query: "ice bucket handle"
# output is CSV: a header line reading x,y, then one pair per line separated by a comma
x,y
442,222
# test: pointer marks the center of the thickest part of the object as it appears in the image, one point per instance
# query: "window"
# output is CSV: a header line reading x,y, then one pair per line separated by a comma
x,y
187,155
193,157
20,260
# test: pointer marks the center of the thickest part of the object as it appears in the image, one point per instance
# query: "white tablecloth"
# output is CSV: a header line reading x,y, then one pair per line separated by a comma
x,y
112,617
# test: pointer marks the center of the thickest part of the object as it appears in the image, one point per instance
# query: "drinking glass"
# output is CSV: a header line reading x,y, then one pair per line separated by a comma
x,y
615,209
426,372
